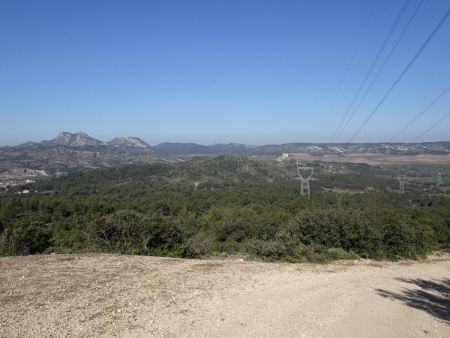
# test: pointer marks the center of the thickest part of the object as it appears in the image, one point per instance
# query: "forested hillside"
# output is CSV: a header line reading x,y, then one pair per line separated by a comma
x,y
230,205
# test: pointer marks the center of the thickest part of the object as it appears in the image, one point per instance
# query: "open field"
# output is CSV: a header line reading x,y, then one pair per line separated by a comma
x,y
377,159
343,191
113,295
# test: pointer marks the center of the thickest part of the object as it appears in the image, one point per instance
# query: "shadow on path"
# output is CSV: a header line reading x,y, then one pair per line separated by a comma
x,y
430,296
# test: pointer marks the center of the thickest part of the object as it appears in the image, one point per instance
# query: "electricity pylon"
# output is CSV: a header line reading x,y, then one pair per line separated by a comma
x,y
339,199
401,181
439,177
304,181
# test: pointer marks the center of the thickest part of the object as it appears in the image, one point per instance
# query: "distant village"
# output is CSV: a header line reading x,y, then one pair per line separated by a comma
x,y
20,176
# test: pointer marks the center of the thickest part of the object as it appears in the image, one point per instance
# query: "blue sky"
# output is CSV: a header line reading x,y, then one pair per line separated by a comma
x,y
210,71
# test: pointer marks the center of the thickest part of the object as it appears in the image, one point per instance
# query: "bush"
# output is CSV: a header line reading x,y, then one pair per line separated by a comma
x,y
406,238
200,245
115,232
154,210
158,232
129,232
68,235
27,235
269,250
366,233
318,254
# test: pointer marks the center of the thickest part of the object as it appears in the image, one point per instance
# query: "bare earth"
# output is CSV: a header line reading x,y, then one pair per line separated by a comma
x,y
112,295
377,159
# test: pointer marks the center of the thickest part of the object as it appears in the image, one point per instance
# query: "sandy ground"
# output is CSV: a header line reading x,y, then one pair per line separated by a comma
x,y
111,295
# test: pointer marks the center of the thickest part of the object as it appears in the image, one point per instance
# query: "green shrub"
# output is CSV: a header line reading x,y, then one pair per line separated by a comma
x,y
27,235
200,245
268,250
366,233
254,208
127,231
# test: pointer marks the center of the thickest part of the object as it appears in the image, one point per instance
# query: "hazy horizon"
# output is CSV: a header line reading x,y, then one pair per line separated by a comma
x,y
253,72
206,144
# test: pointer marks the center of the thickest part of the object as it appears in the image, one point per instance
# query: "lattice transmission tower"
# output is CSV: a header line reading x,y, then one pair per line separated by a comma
x,y
439,177
402,181
339,199
305,189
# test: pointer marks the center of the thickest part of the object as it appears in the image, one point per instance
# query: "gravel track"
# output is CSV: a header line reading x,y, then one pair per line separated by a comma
x,y
113,295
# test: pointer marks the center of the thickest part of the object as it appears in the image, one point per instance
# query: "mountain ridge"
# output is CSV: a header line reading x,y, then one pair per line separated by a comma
x,y
72,139
135,144
128,141
68,152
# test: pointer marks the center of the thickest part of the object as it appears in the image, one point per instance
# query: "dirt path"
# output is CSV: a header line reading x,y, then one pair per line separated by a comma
x,y
109,295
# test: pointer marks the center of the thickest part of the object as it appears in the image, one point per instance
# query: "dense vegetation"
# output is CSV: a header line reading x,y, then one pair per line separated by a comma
x,y
238,206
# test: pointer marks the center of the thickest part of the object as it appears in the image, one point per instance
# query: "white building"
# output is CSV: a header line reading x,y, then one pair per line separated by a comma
x,y
283,157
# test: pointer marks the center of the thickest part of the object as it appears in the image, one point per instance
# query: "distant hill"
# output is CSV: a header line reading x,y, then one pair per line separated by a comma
x,y
128,142
168,148
72,151
80,140
200,172
433,148
72,140
69,151
232,148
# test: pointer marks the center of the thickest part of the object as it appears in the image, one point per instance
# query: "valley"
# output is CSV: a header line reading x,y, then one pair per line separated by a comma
x,y
70,152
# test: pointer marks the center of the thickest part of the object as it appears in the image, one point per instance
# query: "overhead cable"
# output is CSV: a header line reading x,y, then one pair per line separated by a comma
x,y
402,74
372,66
380,70
423,111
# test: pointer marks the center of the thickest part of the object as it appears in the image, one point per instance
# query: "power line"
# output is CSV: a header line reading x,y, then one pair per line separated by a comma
x,y
430,127
405,70
423,111
372,66
380,70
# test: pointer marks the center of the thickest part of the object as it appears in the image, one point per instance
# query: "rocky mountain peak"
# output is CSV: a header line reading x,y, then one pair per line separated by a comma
x,y
128,142
73,139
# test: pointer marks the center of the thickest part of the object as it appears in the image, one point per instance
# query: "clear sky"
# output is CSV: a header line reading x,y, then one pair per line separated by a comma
x,y
212,71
